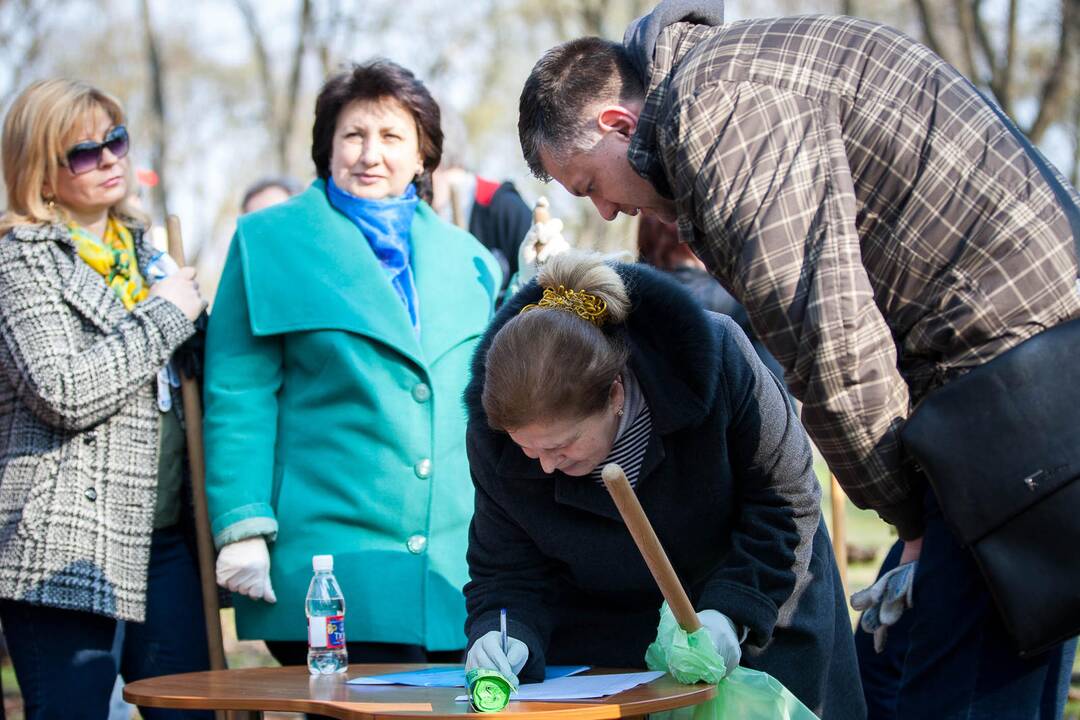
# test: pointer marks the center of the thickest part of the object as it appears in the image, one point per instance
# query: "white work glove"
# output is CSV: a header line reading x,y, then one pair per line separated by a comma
x,y
244,567
883,603
544,240
725,637
487,653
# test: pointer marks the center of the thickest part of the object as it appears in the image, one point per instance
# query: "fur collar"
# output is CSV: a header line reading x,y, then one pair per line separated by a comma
x,y
674,348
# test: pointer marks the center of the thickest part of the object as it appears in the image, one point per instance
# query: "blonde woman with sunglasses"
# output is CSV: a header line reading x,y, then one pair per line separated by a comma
x,y
92,509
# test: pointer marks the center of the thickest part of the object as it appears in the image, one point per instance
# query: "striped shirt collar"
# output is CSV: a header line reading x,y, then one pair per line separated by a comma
x,y
632,437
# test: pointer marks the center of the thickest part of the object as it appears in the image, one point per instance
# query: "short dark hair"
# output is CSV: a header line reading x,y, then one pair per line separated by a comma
x,y
561,86
378,80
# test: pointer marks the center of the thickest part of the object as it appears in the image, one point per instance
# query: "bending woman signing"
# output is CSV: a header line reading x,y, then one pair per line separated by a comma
x,y
598,363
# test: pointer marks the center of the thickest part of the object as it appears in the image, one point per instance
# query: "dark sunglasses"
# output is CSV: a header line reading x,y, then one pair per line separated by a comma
x,y
86,156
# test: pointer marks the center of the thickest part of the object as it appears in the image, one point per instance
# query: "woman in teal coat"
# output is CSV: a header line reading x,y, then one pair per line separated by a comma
x,y
337,355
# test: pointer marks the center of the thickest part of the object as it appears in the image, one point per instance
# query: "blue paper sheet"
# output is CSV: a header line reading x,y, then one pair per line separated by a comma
x,y
450,676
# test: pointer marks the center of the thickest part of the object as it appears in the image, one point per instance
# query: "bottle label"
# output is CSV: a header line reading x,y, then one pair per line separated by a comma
x,y
327,632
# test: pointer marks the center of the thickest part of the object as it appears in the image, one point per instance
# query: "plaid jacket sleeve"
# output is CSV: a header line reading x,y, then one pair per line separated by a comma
x,y
76,387
763,174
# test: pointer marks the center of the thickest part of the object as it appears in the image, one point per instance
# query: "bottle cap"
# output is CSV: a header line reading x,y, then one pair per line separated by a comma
x,y
323,563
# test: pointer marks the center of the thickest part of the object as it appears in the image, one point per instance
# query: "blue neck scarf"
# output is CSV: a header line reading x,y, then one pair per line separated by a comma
x,y
386,224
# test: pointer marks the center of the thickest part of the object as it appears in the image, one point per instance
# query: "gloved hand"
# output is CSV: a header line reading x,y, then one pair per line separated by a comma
x,y
244,567
544,240
725,637
884,602
487,653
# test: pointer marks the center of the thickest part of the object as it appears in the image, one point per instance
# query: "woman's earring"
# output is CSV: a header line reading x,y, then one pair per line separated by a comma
x,y
619,412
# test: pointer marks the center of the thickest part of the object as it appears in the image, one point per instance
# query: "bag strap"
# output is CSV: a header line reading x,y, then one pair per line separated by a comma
x,y
1068,204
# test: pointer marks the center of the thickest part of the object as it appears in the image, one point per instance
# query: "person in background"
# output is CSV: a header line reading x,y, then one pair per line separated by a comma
x,y
337,354
493,212
268,191
659,246
594,363
92,449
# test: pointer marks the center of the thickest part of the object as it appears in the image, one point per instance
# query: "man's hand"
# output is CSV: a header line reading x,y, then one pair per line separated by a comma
x,y
724,636
244,567
487,653
883,603
544,240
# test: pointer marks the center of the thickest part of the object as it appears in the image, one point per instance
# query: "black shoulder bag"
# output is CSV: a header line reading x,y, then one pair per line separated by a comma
x,y
1001,448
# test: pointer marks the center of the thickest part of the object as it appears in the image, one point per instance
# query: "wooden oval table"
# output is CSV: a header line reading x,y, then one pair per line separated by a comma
x,y
293,689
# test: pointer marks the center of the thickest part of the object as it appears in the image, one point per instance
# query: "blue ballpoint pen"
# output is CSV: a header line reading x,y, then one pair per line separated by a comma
x,y
502,630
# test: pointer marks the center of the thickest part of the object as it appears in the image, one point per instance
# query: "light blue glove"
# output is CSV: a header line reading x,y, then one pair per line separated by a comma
x,y
487,653
883,603
724,636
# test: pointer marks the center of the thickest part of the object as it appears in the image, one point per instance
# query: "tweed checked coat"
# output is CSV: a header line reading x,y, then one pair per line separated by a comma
x,y
79,427
865,203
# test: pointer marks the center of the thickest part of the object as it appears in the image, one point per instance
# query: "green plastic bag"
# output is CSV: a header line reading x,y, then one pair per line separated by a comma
x,y
744,694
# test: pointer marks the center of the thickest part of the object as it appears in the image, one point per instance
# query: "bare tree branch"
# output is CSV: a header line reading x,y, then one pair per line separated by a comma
x,y
1074,175
293,90
263,65
31,23
1008,67
926,21
159,144
1055,88
965,16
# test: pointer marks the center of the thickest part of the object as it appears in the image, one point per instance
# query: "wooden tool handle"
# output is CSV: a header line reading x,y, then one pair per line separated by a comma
x,y
189,389
540,211
175,240
645,537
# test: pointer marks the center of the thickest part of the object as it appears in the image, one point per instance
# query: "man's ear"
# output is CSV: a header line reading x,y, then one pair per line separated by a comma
x,y
617,118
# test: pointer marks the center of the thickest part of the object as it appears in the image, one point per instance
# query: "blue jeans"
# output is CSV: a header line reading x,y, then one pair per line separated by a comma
x,y
66,662
953,658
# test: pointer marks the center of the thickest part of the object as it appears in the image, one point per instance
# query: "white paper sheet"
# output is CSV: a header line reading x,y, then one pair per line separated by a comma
x,y
580,687
450,677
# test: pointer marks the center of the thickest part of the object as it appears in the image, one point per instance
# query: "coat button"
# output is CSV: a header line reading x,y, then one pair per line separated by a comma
x,y
423,469
91,494
416,544
421,393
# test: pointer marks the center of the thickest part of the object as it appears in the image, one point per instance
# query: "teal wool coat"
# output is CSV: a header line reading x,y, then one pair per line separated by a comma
x,y
331,428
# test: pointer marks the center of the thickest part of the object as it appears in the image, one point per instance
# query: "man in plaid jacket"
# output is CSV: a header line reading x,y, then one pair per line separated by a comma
x,y
886,232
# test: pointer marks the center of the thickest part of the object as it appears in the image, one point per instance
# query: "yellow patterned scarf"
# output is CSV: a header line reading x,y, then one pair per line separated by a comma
x,y
113,257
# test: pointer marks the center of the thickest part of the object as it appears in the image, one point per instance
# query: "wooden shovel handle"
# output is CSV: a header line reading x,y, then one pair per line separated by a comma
x,y
645,537
189,388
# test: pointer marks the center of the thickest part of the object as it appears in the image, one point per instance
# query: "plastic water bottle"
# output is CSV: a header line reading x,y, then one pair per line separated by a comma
x,y
325,608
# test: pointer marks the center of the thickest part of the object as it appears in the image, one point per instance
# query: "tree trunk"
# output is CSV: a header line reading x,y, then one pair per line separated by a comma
x,y
1055,88
1074,176
159,142
965,16
271,111
926,21
293,90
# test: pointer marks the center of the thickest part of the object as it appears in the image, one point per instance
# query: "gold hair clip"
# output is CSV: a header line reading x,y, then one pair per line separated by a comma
x,y
585,305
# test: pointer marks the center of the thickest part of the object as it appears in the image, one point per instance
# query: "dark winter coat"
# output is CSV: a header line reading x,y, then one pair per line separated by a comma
x,y
500,220
728,484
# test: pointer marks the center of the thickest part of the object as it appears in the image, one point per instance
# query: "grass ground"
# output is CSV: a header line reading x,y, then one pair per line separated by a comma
x,y
864,530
